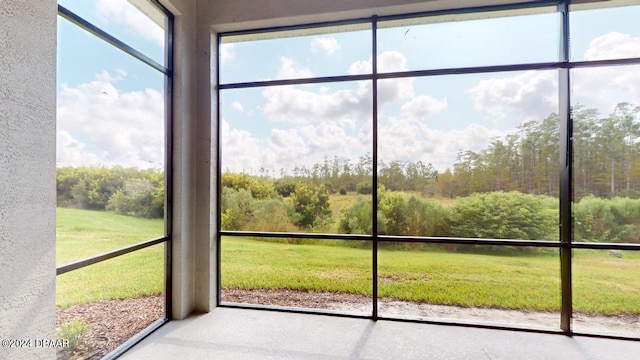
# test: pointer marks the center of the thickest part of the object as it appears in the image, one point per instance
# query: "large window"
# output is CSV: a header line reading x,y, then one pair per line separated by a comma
x,y
450,166
113,217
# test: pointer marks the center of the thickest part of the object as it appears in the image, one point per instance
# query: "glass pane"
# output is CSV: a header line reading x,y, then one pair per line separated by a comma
x,y
301,154
465,40
606,292
606,153
110,147
320,274
101,306
471,283
137,23
470,156
296,54
605,30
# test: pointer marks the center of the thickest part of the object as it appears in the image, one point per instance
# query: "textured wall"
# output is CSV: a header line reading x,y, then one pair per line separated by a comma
x,y
27,174
227,15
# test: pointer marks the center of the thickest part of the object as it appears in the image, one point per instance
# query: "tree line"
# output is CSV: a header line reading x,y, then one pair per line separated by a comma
x,y
525,162
606,162
126,191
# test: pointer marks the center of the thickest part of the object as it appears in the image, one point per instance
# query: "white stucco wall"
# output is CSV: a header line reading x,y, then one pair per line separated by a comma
x,y
27,174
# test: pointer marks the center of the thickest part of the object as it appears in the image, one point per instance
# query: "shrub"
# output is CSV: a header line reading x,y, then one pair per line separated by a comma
x,y
364,188
285,189
138,198
593,219
502,215
311,203
259,188
357,218
271,215
73,331
237,209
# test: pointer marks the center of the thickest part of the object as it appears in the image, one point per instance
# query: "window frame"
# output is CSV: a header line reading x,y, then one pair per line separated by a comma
x,y
166,239
565,245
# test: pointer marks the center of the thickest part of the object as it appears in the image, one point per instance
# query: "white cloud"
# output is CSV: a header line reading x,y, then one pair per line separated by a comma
x,y
241,151
289,69
328,45
121,12
389,90
423,106
236,105
227,53
348,107
529,95
412,140
99,125
294,105
613,45
604,87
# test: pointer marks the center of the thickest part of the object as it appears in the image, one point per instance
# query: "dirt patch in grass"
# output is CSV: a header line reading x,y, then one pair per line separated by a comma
x,y
111,323
622,324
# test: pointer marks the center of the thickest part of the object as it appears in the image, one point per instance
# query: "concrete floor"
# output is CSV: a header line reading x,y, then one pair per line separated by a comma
x,y
228,333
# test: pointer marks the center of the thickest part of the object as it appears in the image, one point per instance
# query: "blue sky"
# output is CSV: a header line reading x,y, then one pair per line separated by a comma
x,y
110,109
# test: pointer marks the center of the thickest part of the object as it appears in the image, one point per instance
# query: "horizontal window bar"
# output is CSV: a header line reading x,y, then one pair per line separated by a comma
x,y
109,255
473,70
436,240
317,80
297,235
402,74
74,18
605,246
600,63
435,72
469,241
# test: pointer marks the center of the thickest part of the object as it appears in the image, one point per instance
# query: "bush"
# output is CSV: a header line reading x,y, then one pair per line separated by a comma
x,y
138,198
364,188
607,220
357,218
259,188
236,208
271,215
343,191
593,220
503,215
74,331
311,203
426,218
285,189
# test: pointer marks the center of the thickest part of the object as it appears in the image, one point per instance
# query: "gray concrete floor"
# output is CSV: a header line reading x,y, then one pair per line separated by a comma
x,y
228,333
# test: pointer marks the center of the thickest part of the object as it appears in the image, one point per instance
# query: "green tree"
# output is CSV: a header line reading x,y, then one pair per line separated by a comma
x,y
312,203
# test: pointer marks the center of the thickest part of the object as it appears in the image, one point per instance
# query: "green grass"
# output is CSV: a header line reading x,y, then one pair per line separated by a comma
x,y
603,283
83,233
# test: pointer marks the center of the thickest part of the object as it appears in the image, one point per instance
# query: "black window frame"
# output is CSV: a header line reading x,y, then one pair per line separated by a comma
x,y
166,239
565,246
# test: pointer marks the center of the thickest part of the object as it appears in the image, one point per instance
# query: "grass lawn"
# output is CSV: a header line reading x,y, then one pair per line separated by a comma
x,y
83,233
529,282
602,283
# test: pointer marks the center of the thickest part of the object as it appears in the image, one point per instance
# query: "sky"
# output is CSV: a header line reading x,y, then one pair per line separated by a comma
x,y
110,106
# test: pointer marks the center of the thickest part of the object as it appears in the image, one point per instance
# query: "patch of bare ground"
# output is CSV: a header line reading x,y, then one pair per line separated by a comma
x,y
616,324
111,323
